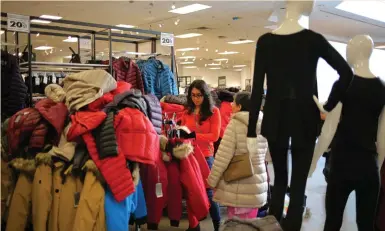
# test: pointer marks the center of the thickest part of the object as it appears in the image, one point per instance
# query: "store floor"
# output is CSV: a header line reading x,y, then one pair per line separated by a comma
x,y
316,188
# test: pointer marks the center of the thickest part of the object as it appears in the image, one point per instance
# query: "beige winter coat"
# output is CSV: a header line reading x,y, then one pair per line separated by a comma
x,y
250,192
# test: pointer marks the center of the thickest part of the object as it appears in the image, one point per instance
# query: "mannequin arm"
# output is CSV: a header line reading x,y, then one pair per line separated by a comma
x,y
327,134
381,139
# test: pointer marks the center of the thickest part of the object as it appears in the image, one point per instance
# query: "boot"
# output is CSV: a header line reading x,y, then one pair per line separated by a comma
x,y
152,226
198,228
216,225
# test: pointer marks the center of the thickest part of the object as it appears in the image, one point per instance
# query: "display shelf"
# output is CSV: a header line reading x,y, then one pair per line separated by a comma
x,y
72,65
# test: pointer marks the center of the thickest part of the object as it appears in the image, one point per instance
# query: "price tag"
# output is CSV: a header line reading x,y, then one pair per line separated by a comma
x,y
17,22
45,79
37,81
158,190
167,39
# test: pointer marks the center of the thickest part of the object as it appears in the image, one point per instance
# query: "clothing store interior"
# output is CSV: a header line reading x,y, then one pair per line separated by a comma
x,y
186,115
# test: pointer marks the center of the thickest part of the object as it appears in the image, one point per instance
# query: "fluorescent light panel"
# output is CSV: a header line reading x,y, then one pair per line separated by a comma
x,y
241,42
369,9
190,35
125,26
67,57
190,8
186,57
184,63
135,53
215,68
71,40
237,69
43,48
228,53
236,66
52,17
214,64
190,67
220,60
40,21
187,49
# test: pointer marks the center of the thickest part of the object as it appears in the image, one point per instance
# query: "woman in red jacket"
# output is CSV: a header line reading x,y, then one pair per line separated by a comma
x,y
203,120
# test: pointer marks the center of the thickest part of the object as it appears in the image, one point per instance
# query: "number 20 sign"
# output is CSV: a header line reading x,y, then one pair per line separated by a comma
x,y
167,39
17,22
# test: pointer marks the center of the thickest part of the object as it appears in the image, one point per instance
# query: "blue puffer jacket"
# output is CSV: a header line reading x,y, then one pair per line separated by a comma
x,y
158,78
118,213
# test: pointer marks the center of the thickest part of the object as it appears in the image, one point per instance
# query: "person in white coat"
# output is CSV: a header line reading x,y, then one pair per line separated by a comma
x,y
242,197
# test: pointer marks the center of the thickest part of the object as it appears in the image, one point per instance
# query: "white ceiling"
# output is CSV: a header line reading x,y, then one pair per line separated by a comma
x,y
336,25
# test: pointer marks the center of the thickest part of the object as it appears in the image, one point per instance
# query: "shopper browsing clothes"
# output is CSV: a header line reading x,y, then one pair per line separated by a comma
x,y
202,118
247,190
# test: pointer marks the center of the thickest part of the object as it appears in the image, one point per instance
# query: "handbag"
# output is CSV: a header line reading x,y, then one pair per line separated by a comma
x,y
239,168
268,223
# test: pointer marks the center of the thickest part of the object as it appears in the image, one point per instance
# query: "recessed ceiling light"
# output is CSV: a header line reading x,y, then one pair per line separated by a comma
x,y
187,57
125,26
183,63
188,49
214,64
189,9
190,35
71,40
40,21
190,67
214,68
235,66
369,9
52,17
221,60
241,42
43,48
228,53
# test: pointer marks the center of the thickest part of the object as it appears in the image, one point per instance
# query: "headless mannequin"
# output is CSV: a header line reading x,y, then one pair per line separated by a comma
x,y
359,50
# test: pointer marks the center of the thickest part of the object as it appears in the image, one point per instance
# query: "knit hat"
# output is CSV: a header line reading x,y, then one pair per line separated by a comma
x,y
55,93
85,87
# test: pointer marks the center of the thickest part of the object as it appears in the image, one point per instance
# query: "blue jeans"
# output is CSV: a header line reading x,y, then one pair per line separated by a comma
x,y
214,207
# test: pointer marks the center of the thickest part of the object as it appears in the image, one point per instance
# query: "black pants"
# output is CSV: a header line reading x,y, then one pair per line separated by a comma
x,y
340,185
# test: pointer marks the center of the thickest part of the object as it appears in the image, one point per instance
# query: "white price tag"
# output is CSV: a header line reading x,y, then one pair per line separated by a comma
x,y
37,81
158,190
167,39
45,80
53,79
17,22
85,44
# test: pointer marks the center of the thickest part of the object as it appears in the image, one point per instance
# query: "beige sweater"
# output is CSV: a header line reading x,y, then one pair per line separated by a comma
x,y
250,192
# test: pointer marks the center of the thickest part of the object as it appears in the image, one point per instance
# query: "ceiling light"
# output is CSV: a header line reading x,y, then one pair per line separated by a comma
x,y
38,34
115,30
380,47
1,32
70,39
40,21
189,9
214,68
221,60
187,49
190,67
369,9
272,27
137,32
194,59
201,59
236,66
228,53
67,57
173,6
183,63
190,35
61,50
43,48
216,50
207,49
135,53
125,26
241,42
160,25
52,17
214,64
186,57
237,69
177,22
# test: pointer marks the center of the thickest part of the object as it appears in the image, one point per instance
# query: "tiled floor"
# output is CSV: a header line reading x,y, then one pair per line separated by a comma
x,y
316,188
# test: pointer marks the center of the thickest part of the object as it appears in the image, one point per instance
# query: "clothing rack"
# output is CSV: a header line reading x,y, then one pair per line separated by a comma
x,y
79,29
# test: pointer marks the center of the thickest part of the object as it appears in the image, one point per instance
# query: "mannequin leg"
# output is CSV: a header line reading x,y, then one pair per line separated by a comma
x,y
367,191
301,161
279,158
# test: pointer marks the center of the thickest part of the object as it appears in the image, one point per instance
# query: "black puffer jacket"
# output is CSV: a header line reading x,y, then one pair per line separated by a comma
x,y
132,99
13,88
154,112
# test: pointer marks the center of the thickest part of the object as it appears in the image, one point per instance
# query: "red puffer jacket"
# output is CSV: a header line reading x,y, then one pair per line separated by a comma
x,y
129,72
226,111
169,109
100,103
114,169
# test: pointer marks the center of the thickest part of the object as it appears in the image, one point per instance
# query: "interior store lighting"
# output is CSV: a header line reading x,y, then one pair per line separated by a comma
x,y
190,8
271,27
52,17
380,47
219,60
240,42
177,22
237,69
71,40
1,32
190,67
369,9
214,64
117,30
43,48
125,26
237,66
187,57
229,53
214,68
38,34
184,63
40,21
188,49
67,57
135,53
189,35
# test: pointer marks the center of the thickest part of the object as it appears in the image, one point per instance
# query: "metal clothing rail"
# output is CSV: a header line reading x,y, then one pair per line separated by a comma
x,y
96,31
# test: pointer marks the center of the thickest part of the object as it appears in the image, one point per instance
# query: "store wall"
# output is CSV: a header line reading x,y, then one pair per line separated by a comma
x,y
233,78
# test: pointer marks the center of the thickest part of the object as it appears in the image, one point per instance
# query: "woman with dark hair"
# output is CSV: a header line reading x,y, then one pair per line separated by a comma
x,y
202,118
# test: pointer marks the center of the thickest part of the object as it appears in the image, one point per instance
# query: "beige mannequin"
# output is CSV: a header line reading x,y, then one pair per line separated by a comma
x,y
294,11
358,53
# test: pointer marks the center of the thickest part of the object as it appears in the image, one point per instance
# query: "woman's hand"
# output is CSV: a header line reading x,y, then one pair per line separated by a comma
x,y
185,135
319,105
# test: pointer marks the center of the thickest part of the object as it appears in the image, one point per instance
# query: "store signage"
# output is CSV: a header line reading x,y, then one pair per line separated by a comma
x,y
18,23
167,39
85,44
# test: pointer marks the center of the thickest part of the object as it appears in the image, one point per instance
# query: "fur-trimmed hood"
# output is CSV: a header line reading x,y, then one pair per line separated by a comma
x,y
27,166
180,151
43,158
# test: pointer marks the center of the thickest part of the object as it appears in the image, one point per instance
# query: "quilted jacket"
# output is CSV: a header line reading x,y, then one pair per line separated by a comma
x,y
128,71
154,112
254,188
158,78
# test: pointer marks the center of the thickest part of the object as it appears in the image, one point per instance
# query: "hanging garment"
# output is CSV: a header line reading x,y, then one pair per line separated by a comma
x,y
158,79
53,223
90,214
226,110
154,112
131,99
13,89
55,92
7,186
175,99
128,71
169,109
20,207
